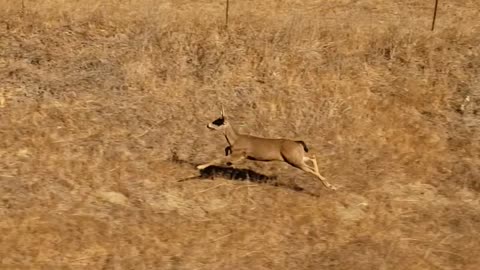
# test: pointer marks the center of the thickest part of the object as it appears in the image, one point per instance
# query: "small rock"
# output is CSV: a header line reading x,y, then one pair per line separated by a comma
x,y
113,197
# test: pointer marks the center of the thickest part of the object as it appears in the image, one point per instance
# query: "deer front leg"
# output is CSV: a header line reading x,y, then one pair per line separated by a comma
x,y
213,162
228,150
236,158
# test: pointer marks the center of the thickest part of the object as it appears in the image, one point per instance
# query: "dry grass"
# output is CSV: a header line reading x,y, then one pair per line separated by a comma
x,y
103,106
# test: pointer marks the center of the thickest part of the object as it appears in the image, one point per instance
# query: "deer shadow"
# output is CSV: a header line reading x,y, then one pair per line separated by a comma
x,y
237,174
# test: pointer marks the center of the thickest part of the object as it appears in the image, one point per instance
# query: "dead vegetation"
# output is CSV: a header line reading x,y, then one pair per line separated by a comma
x,y
103,108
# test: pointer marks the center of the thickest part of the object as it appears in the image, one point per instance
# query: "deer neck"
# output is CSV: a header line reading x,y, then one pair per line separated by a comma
x,y
231,135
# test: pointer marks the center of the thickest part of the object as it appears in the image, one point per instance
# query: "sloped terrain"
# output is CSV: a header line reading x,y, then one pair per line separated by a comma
x,y
104,106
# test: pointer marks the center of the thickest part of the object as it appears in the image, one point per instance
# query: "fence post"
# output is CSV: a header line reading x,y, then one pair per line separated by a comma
x,y
226,13
434,14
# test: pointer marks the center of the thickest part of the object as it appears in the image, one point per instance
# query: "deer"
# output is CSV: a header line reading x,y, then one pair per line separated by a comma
x,y
244,146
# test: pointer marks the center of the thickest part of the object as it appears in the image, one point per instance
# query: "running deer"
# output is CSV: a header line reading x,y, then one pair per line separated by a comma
x,y
243,146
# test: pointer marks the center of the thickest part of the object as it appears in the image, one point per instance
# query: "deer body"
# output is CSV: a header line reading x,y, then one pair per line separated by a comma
x,y
244,146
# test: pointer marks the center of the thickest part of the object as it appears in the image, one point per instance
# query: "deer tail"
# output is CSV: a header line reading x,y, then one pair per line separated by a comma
x,y
304,145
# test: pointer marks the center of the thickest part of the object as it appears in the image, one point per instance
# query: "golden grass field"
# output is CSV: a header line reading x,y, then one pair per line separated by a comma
x,y
104,106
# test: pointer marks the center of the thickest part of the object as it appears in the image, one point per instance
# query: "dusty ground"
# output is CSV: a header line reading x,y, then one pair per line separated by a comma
x,y
103,107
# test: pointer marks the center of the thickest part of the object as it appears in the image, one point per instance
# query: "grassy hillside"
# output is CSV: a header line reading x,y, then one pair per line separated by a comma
x,y
104,106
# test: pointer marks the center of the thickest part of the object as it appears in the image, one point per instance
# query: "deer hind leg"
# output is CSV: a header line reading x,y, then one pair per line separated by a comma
x,y
315,165
315,171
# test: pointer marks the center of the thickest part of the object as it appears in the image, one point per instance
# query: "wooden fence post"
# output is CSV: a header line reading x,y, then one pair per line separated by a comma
x,y
227,6
434,14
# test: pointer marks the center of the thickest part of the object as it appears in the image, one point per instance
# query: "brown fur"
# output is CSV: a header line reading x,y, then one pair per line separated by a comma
x,y
243,146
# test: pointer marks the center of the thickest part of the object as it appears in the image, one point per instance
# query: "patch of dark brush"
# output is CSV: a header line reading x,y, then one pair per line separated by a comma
x,y
236,174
